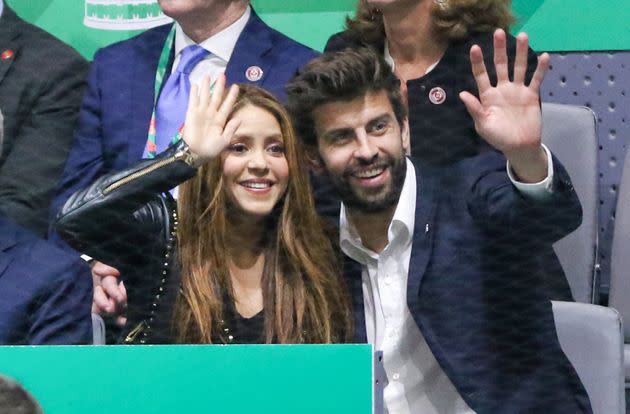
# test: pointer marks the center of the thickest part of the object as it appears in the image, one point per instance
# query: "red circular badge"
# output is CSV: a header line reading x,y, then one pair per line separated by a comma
x,y
254,73
437,95
7,54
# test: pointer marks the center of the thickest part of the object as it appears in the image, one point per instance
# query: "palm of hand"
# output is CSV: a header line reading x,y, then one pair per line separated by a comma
x,y
511,117
206,129
507,115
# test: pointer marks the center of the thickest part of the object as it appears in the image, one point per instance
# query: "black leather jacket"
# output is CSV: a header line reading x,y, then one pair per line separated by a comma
x,y
128,220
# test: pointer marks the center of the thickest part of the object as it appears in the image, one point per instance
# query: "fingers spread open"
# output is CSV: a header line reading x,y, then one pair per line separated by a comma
x,y
217,93
230,130
227,104
204,97
520,62
474,107
539,74
500,55
479,69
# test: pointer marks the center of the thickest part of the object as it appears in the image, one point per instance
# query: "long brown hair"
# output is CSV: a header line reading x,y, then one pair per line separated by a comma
x,y
452,20
304,298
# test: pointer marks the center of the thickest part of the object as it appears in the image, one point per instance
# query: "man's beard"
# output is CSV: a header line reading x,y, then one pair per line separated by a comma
x,y
381,198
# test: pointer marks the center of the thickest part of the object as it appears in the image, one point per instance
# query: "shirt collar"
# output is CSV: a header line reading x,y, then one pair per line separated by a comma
x,y
401,226
220,44
390,60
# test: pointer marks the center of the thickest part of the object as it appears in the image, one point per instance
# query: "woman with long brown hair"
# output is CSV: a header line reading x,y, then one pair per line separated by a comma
x,y
243,257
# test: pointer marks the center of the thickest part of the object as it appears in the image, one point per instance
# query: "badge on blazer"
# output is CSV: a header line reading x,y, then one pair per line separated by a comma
x,y
7,54
437,95
254,73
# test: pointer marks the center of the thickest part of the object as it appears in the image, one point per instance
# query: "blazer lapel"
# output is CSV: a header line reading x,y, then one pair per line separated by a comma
x,y
249,51
9,33
145,62
422,236
352,272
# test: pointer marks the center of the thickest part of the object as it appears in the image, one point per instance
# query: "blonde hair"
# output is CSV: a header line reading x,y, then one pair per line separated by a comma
x,y
304,298
452,19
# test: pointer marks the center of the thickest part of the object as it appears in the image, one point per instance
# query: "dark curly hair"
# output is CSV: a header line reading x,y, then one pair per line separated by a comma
x,y
339,76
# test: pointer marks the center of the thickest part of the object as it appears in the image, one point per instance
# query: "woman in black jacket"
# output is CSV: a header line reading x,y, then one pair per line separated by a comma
x,y
243,257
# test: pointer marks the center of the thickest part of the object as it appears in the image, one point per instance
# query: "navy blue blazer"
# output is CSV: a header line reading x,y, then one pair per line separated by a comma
x,y
45,293
116,110
474,287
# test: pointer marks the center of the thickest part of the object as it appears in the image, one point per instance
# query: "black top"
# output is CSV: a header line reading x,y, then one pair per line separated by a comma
x,y
442,133
240,330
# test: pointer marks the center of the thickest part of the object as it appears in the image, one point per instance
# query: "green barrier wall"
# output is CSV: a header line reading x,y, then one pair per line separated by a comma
x,y
235,379
554,25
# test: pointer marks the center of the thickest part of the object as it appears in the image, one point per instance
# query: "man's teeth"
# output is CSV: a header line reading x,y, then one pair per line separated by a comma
x,y
257,185
373,172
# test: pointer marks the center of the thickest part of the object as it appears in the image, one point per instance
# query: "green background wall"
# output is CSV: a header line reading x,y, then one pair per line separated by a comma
x,y
553,25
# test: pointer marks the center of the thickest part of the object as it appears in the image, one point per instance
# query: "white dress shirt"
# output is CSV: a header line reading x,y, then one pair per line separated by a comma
x,y
416,382
220,45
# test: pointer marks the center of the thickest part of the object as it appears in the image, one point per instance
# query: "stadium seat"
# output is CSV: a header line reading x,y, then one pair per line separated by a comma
x,y
569,132
620,260
591,337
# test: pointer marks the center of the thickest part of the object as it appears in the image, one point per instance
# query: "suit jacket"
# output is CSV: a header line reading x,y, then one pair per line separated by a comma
x,y
116,110
41,86
45,293
474,287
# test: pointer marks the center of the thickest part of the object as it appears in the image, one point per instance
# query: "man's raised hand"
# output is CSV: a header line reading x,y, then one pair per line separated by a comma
x,y
508,115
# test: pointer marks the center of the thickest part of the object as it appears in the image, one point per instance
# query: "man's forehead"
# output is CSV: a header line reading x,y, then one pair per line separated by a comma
x,y
351,113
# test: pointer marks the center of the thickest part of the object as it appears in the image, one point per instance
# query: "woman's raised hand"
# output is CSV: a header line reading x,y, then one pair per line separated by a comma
x,y
206,129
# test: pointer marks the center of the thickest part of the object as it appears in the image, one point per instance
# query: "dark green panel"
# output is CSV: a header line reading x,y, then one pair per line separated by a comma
x,y
305,379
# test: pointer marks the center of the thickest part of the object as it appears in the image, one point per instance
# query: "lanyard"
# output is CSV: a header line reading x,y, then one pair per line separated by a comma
x,y
159,78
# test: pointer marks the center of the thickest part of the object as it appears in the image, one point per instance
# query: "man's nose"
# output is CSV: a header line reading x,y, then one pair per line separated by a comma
x,y
365,150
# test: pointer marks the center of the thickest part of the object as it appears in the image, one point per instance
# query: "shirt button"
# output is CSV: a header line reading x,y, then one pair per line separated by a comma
x,y
388,280
396,376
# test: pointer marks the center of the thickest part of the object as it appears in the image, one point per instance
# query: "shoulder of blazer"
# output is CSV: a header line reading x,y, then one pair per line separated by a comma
x,y
35,42
266,38
147,42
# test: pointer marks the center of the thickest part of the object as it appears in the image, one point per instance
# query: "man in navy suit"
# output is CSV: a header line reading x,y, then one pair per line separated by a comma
x,y
441,263
45,292
118,106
